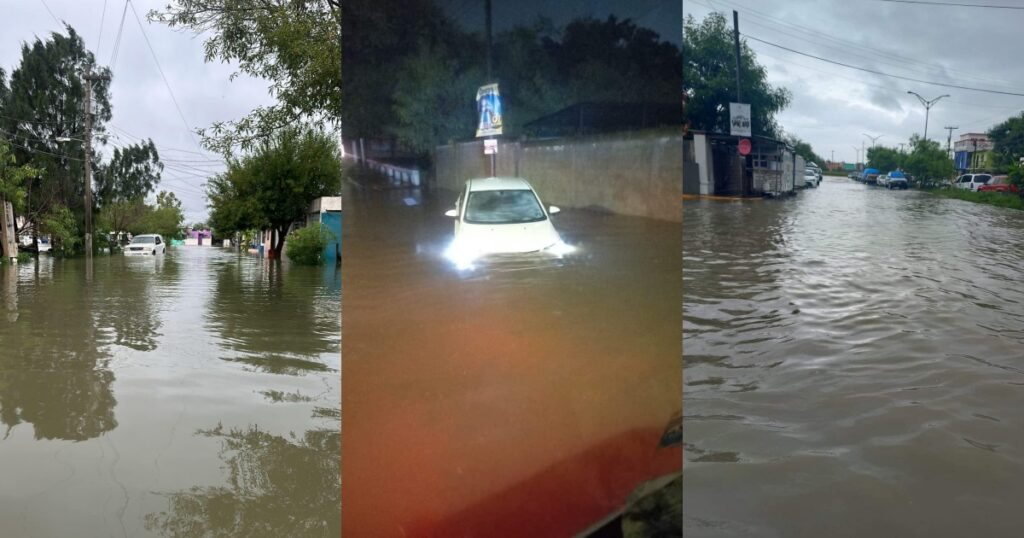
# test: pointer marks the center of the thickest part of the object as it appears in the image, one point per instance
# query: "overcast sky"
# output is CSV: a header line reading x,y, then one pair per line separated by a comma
x,y
141,102
833,106
662,16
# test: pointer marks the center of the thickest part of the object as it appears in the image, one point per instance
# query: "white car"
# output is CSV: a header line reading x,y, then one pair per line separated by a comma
x,y
971,182
810,178
146,245
501,215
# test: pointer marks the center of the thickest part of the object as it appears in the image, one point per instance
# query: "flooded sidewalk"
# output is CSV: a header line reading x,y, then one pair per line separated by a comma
x,y
525,397
190,394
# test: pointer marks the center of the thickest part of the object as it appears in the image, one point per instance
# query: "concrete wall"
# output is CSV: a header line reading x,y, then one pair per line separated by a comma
x,y
636,173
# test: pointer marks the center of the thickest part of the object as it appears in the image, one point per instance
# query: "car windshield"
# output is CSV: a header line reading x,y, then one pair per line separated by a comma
x,y
503,207
143,240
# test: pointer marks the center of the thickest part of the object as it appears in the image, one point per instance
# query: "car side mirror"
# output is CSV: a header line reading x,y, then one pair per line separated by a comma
x,y
453,213
553,209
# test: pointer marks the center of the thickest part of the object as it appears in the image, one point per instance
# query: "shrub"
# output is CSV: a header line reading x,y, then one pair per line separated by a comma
x,y
61,225
305,246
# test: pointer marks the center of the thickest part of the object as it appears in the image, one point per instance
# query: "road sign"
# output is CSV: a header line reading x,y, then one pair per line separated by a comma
x,y
488,106
739,119
744,146
490,147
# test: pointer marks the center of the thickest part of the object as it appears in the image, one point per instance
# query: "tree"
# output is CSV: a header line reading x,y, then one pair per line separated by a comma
x,y
927,160
122,216
709,79
272,186
1008,140
804,150
295,44
885,158
44,102
13,177
132,173
166,218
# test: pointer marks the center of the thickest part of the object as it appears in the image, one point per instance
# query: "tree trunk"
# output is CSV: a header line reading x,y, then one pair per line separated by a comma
x,y
278,244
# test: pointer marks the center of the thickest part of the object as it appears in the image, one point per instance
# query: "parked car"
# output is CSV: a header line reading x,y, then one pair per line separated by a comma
x,y
996,184
882,180
810,178
817,170
971,182
146,245
870,175
501,216
895,180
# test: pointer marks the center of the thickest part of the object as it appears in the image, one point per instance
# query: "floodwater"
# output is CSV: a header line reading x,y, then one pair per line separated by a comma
x,y
853,366
526,397
194,394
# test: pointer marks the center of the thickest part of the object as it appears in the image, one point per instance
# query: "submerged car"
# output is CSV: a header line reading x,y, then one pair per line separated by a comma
x,y
501,215
810,178
146,245
894,180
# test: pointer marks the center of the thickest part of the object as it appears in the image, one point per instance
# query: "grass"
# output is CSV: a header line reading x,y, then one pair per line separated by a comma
x,y
997,199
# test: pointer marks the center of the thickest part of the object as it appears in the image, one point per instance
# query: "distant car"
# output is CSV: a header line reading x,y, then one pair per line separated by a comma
x,y
895,180
971,182
853,175
996,184
810,178
870,175
146,245
501,215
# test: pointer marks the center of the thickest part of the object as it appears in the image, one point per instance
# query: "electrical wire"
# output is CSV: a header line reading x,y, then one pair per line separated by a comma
x,y
952,4
161,70
99,37
50,11
117,40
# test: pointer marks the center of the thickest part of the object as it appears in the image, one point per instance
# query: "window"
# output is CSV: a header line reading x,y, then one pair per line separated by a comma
x,y
982,178
158,240
146,240
503,207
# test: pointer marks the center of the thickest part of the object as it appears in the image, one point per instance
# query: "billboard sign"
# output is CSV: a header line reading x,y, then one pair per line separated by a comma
x,y
739,119
488,107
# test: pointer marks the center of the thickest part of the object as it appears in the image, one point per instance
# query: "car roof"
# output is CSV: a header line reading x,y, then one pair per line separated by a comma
x,y
146,235
498,184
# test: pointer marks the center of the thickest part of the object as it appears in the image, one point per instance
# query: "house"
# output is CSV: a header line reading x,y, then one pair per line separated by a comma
x,y
713,165
973,152
199,238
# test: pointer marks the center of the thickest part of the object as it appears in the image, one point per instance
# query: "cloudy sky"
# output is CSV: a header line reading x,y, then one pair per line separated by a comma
x,y
142,104
833,106
662,16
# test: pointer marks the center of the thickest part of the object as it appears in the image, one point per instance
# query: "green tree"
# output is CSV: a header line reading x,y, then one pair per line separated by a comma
x,y
44,103
927,160
1008,141
165,218
272,186
709,79
804,150
885,159
13,177
62,227
132,173
294,44
122,216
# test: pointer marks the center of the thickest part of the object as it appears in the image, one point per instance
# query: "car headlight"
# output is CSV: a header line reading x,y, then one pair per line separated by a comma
x,y
463,254
561,249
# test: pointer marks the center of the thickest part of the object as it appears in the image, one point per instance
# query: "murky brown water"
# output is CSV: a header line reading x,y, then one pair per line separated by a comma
x,y
191,395
524,398
853,366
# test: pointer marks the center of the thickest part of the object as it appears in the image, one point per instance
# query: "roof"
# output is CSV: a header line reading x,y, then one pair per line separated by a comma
x,y
498,184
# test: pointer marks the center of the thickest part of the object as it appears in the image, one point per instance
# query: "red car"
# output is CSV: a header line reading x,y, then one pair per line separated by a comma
x,y
999,184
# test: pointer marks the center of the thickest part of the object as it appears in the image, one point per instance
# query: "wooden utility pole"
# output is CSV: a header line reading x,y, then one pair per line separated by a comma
x,y
949,140
736,46
89,78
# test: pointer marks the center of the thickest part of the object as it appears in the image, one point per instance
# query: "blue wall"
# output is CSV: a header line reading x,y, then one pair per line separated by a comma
x,y
332,220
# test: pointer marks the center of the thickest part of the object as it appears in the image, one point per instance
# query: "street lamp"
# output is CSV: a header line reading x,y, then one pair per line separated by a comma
x,y
856,151
927,108
873,138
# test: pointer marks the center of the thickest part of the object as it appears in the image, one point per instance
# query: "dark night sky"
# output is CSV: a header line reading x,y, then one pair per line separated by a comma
x,y
662,16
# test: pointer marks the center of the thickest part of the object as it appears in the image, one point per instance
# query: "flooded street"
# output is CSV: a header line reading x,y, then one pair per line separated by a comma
x,y
853,365
192,394
525,397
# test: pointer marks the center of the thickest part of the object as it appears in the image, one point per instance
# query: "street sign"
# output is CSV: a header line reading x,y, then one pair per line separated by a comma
x,y
739,119
744,146
488,106
490,147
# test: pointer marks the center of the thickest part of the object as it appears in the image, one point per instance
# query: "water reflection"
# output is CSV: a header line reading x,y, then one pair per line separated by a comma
x,y
302,329
276,486
54,368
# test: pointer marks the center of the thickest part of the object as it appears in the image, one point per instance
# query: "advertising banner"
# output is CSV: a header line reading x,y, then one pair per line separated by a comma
x,y
488,106
739,119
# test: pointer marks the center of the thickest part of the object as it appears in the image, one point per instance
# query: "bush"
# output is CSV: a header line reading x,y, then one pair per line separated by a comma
x,y
23,257
305,246
61,225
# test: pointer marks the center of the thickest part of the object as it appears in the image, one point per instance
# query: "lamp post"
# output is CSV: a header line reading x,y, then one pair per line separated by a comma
x,y
927,108
856,153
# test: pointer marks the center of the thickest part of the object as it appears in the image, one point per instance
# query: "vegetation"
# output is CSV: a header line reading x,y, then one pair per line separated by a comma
x,y
1008,141
60,224
925,161
306,245
709,80
14,177
805,150
272,186
991,198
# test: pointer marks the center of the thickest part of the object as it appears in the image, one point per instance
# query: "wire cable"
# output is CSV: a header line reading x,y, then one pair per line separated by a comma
x,y
951,4
58,21
99,37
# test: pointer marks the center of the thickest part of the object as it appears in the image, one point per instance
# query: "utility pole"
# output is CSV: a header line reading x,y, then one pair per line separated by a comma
x,y
736,46
89,78
949,139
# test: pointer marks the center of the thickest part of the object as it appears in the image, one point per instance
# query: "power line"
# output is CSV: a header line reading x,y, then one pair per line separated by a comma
x,y
117,40
866,70
58,21
99,37
951,4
